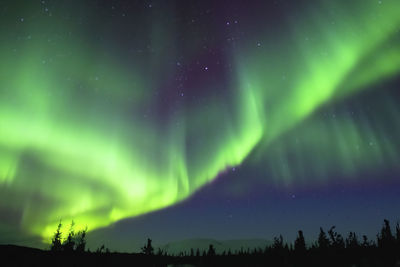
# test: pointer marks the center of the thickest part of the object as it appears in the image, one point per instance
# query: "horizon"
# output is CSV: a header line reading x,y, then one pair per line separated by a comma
x,y
221,246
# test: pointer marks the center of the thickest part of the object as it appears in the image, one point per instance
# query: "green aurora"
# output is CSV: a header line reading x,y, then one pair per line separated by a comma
x,y
75,145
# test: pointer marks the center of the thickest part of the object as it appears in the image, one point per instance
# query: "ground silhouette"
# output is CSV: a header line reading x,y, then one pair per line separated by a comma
x,y
331,250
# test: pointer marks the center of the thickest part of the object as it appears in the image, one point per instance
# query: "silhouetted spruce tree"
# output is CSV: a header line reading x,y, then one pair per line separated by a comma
x,y
300,243
56,244
160,252
278,243
148,249
211,250
336,239
197,252
101,249
398,234
69,243
81,241
352,241
323,241
385,238
365,243
387,244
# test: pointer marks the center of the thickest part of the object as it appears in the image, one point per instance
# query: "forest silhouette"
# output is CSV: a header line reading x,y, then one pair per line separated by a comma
x,y
330,249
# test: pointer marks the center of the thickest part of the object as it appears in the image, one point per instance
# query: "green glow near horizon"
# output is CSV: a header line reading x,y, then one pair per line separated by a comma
x,y
74,145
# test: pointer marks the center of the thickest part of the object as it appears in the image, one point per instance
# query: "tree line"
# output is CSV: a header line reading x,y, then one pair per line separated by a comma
x,y
330,249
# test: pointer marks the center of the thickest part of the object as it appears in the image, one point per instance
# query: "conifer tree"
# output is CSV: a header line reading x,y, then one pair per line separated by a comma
x,y
56,244
323,241
69,243
148,249
300,243
385,237
211,250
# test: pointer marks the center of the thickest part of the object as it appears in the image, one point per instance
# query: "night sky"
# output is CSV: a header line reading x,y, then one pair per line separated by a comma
x,y
187,119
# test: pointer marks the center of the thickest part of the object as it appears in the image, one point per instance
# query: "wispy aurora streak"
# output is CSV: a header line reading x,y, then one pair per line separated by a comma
x,y
75,143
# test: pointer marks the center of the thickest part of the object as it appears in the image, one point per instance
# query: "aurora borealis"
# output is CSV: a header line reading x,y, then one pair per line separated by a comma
x,y
113,109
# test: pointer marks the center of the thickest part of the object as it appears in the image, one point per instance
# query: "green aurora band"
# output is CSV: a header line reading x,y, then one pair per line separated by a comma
x,y
74,143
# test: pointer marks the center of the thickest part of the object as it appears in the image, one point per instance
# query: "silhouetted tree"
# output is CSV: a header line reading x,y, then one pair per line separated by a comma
x,y
148,249
387,244
278,243
73,242
336,239
385,238
352,241
366,243
300,243
100,249
229,252
323,241
197,252
160,252
329,250
69,243
81,240
211,250
56,244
